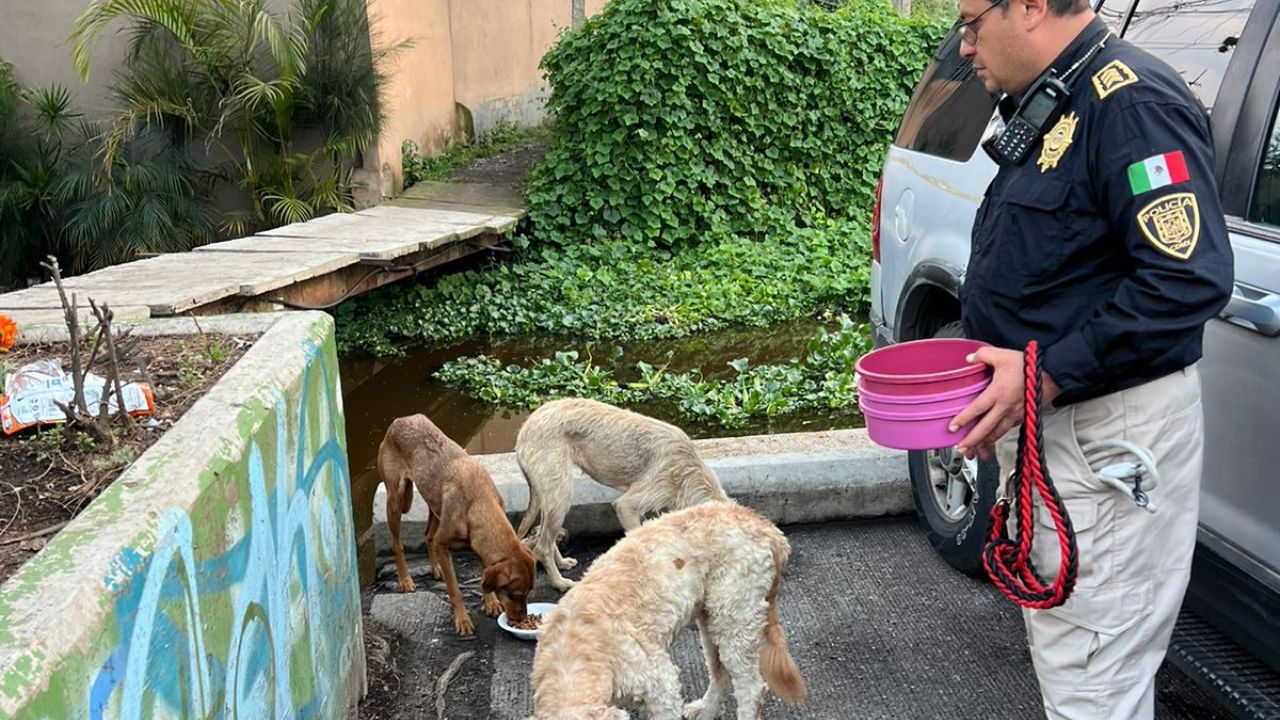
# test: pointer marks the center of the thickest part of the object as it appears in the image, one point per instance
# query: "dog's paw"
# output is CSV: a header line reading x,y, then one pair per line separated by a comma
x,y
492,607
565,563
698,710
564,585
462,623
406,584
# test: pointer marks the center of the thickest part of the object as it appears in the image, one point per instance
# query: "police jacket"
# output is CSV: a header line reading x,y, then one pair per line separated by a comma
x,y
1108,245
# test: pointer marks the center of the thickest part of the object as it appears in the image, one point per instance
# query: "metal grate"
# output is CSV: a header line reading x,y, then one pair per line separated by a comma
x,y
1246,686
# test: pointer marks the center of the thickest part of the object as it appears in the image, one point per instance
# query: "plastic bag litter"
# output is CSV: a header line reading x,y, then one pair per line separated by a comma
x,y
32,392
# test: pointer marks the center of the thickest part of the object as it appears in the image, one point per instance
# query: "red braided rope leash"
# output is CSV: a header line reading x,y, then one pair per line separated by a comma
x,y
1008,560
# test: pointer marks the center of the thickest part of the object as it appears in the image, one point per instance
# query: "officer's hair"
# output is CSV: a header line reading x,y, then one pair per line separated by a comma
x,y
1063,7
1067,7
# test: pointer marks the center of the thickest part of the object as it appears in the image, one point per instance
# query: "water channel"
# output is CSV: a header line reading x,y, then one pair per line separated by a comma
x,y
378,390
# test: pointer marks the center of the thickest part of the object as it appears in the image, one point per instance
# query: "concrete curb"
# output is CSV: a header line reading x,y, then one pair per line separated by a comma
x,y
792,478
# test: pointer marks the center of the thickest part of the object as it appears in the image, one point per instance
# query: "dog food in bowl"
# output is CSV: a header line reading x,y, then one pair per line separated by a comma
x,y
530,622
527,629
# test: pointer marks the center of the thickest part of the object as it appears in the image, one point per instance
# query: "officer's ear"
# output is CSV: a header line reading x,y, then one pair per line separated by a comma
x,y
1030,13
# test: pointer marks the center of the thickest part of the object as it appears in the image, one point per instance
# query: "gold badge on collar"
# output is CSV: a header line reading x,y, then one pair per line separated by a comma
x,y
1113,76
1057,142
1172,224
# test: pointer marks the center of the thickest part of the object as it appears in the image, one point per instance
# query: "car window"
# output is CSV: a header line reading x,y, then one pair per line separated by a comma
x,y
1196,37
1265,207
949,109
1113,12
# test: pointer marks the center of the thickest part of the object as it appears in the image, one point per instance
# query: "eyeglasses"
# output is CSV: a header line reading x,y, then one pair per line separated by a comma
x,y
968,31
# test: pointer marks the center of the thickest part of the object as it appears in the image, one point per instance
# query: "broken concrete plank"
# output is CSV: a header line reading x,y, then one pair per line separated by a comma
x,y
412,215
324,221
475,194
501,210
174,283
27,317
357,248
371,229
407,215
35,297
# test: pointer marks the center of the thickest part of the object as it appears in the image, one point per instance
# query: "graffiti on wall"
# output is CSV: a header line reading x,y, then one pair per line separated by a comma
x,y
248,606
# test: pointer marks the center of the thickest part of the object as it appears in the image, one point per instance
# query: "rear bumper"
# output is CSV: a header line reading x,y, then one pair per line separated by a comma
x,y
881,335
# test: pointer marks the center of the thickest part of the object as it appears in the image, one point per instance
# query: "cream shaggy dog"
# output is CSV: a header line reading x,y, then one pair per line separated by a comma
x,y
719,564
653,463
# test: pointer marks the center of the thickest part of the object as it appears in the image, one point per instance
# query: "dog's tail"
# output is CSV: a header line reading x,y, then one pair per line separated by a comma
x,y
393,473
776,664
535,504
406,495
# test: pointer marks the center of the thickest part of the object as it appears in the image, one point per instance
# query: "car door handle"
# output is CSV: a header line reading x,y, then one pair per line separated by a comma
x,y
1253,309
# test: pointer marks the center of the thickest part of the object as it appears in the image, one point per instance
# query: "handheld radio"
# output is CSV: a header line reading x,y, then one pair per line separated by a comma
x,y
1027,124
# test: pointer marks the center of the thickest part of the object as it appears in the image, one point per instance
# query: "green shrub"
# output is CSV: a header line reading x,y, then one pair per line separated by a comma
x,y
680,120
622,290
821,381
282,105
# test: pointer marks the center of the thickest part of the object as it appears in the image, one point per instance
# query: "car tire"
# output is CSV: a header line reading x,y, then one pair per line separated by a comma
x,y
953,497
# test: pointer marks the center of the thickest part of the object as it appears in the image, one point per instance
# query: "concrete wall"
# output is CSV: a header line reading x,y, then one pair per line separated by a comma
x,y
497,45
419,99
217,576
33,39
482,72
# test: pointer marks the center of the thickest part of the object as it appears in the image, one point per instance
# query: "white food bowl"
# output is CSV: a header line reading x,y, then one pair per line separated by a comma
x,y
534,609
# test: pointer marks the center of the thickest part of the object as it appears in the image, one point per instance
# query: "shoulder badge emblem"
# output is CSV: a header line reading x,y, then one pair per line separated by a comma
x,y
1113,76
1057,142
1172,224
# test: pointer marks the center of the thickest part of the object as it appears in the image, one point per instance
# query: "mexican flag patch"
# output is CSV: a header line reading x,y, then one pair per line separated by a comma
x,y
1158,171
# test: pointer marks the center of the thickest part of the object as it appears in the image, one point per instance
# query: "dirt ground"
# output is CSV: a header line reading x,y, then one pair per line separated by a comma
x,y
47,478
510,169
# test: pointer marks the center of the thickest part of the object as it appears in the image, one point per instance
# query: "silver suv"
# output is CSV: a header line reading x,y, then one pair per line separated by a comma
x,y
933,181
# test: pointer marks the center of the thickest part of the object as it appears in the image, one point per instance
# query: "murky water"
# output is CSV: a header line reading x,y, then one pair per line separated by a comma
x,y
377,391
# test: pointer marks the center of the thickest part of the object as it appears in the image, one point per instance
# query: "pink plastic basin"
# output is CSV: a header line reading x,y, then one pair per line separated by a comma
x,y
918,426
922,367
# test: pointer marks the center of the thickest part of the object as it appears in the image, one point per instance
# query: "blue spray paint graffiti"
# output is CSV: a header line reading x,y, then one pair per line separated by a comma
x,y
288,576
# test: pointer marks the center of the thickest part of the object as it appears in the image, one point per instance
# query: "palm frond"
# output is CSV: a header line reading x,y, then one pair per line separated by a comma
x,y
177,17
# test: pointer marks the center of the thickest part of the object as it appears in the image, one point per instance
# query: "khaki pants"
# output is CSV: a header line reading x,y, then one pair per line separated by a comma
x,y
1096,656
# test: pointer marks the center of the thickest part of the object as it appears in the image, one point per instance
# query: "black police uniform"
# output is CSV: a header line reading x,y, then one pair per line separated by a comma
x,y
1108,245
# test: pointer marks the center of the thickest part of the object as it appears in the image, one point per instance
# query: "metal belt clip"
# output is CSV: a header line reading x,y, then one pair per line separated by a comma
x,y
1127,477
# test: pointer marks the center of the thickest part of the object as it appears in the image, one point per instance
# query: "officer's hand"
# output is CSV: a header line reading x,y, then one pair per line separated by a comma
x,y
1000,406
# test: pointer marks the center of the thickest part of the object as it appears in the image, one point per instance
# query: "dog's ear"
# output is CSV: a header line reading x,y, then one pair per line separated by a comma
x,y
496,575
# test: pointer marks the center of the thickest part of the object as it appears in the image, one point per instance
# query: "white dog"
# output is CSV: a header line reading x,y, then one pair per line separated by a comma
x,y
653,463
607,639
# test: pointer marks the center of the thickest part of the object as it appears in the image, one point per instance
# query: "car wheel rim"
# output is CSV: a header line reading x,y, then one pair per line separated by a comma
x,y
954,481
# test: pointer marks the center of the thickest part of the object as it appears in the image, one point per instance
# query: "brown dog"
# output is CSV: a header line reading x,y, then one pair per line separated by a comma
x,y
466,513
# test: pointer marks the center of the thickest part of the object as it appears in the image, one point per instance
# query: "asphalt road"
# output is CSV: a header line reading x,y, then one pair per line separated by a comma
x,y
880,627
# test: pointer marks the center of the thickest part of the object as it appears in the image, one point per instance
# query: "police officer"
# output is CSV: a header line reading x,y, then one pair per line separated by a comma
x,y
1102,238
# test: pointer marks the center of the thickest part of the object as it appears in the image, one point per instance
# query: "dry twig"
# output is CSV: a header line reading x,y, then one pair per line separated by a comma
x,y
35,533
73,327
442,684
105,315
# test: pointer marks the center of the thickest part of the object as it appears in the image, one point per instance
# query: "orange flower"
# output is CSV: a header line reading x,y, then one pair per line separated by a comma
x,y
8,333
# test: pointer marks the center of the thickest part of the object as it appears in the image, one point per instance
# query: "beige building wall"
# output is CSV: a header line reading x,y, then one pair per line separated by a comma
x,y
497,45
419,98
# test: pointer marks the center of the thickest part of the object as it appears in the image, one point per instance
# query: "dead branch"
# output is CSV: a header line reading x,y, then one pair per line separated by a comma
x,y
73,328
35,534
17,494
105,316
442,684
